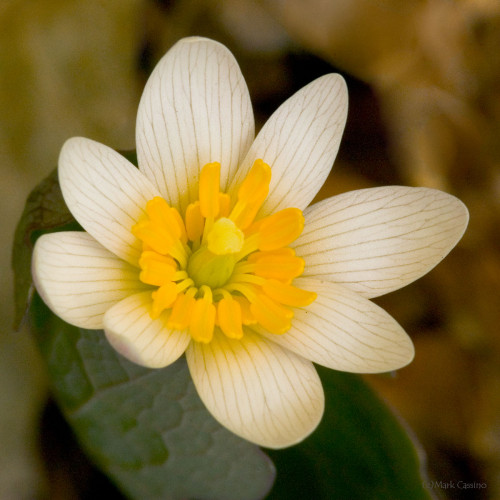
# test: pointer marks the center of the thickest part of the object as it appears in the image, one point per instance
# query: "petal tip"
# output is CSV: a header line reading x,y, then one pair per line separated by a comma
x,y
128,349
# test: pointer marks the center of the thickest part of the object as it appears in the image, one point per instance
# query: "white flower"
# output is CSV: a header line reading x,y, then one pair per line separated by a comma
x,y
197,249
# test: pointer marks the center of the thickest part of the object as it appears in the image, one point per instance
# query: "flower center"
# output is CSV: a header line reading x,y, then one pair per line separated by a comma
x,y
213,263
218,266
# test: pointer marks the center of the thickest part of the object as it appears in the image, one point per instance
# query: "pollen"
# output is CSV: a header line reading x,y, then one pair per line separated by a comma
x,y
219,265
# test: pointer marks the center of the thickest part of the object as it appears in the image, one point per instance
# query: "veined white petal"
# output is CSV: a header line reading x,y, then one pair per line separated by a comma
x,y
300,142
344,331
79,279
256,389
377,240
195,109
105,193
145,341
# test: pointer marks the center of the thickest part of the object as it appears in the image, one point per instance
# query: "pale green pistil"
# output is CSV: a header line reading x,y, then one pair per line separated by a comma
x,y
207,268
213,263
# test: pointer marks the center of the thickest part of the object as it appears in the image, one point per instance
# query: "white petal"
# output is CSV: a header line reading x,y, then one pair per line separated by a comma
x,y
300,142
256,389
79,279
105,193
344,331
147,342
377,240
195,109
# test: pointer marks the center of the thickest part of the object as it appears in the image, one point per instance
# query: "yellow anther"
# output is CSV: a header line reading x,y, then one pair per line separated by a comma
x,y
247,318
280,229
161,214
224,204
161,230
157,269
288,295
272,316
229,317
202,322
209,190
156,238
280,264
225,238
163,298
251,194
182,310
194,221
256,184
180,223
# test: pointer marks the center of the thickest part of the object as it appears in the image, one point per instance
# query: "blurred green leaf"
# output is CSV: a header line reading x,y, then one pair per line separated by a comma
x,y
359,451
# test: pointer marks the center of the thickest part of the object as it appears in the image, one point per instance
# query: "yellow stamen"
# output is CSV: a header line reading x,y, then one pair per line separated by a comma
x,y
180,223
194,221
157,269
288,294
247,318
247,290
182,310
163,298
280,229
272,316
158,239
280,264
224,204
246,278
209,190
162,231
161,214
251,194
229,317
201,325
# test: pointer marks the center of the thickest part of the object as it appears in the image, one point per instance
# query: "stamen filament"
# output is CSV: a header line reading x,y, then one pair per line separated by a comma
x,y
209,190
247,278
250,245
248,291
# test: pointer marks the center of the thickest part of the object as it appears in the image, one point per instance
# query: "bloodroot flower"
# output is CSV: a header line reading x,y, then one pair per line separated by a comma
x,y
208,247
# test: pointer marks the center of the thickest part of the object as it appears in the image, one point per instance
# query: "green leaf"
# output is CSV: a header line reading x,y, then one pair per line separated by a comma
x,y
359,451
147,429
